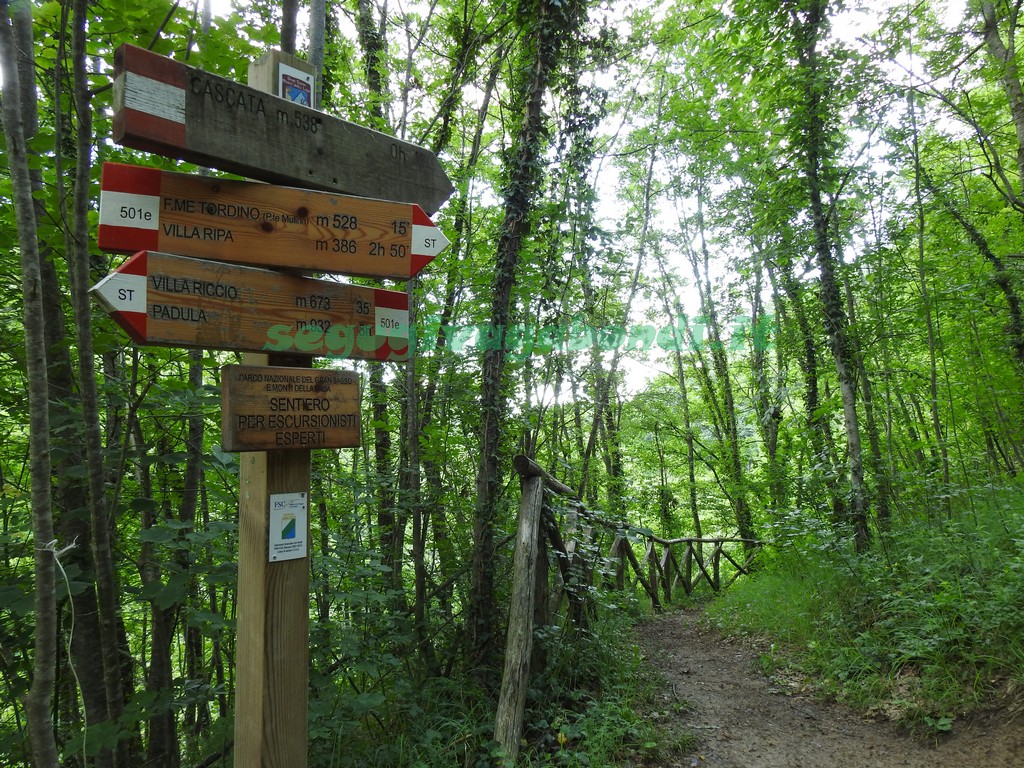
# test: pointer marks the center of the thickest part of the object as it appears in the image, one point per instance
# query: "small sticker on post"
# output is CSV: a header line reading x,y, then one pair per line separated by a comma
x,y
287,528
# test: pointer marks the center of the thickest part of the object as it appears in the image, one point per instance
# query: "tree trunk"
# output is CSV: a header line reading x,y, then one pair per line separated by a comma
x,y
673,314
289,24
37,702
818,430
524,177
730,430
814,140
767,398
70,491
1006,55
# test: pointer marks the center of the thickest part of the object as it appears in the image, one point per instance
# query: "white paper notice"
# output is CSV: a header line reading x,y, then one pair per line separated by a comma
x,y
287,526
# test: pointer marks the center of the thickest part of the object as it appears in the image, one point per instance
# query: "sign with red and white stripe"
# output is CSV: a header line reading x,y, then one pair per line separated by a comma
x,y
172,109
259,224
168,300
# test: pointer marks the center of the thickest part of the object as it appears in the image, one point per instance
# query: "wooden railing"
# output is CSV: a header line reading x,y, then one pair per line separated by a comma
x,y
575,547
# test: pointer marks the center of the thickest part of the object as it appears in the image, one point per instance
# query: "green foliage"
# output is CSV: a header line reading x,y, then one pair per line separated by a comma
x,y
921,628
582,710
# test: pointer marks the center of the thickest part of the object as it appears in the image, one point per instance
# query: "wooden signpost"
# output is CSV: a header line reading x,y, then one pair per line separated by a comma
x,y
271,407
163,299
274,410
250,223
172,109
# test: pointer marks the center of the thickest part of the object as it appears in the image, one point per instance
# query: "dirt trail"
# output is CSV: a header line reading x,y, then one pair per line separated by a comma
x,y
744,719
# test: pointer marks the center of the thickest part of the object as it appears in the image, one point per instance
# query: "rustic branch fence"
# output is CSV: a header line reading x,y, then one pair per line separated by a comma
x,y
537,595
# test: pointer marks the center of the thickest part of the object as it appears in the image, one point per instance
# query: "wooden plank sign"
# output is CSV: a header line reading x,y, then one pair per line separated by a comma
x,y
266,408
168,300
264,225
172,109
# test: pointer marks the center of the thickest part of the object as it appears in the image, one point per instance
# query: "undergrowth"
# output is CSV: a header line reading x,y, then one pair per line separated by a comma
x,y
583,710
922,628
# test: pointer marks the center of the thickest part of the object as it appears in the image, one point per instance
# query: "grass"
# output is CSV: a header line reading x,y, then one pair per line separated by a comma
x,y
924,628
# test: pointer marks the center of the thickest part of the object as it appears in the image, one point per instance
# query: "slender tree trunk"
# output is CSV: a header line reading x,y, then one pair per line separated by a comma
x,y
374,45
162,731
719,358
289,24
1006,55
71,492
318,44
524,177
767,398
78,252
673,314
604,374
37,703
818,430
665,499
814,138
391,522
876,460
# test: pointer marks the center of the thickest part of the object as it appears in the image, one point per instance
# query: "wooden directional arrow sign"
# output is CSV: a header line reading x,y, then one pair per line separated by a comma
x,y
176,301
271,226
171,109
267,408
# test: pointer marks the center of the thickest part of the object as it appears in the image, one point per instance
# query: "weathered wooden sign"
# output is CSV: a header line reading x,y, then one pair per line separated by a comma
x,y
172,109
163,299
265,225
266,408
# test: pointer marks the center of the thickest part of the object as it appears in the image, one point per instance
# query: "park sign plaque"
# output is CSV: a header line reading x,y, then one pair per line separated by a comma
x,y
144,209
265,408
168,300
169,108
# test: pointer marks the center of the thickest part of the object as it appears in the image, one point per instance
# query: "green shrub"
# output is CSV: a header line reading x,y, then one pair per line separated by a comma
x,y
923,626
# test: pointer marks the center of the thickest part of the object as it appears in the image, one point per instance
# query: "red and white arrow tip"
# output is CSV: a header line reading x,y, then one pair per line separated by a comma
x,y
123,295
427,239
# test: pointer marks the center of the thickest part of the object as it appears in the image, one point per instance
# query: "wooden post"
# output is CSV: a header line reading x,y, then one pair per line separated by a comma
x,y
273,621
272,691
541,597
688,569
666,572
716,564
618,554
508,725
651,558
639,571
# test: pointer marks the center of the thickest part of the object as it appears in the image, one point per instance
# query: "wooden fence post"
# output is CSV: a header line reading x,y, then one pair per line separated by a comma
x,y
508,723
617,554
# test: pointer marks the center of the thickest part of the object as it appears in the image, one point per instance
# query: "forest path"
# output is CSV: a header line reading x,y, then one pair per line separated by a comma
x,y
745,719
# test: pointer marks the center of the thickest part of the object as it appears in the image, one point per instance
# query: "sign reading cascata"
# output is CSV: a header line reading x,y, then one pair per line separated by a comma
x,y
167,107
269,407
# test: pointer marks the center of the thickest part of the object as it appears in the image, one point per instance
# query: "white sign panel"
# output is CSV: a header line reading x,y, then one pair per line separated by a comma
x,y
295,85
288,512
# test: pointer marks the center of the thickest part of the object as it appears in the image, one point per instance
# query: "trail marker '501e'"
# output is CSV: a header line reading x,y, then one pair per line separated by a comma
x,y
264,225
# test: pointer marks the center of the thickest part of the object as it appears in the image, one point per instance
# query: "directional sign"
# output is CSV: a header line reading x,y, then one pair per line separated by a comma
x,y
171,109
270,226
176,301
266,408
